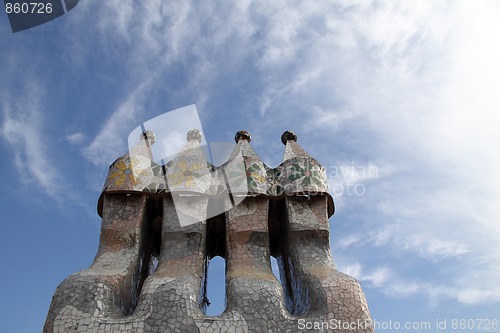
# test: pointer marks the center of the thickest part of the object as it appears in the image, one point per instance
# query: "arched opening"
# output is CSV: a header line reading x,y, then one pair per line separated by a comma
x,y
215,287
154,246
213,300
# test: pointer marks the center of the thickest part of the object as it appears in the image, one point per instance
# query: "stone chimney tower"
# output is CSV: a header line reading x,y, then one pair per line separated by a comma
x,y
161,224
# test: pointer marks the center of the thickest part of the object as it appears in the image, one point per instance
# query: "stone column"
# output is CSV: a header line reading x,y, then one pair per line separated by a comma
x,y
320,290
252,289
176,286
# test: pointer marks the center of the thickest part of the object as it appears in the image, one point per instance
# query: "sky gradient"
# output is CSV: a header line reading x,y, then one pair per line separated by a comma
x,y
407,89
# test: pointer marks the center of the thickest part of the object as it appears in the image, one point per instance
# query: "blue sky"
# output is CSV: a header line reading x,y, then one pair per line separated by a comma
x,y
410,88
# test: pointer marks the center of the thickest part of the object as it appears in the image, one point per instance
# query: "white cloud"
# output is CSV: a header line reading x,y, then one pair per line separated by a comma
x,y
353,270
22,128
490,294
376,278
348,241
331,118
443,128
434,248
111,142
465,294
76,138
394,285
402,288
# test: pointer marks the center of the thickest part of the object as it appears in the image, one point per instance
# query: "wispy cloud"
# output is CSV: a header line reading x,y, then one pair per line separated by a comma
x,y
76,138
23,129
111,141
406,78
377,277
391,283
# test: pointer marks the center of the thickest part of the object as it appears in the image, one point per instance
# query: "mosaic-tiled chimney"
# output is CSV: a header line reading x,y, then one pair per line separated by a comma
x,y
161,224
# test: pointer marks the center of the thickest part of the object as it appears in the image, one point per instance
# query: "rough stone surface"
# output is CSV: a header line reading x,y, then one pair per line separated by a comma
x,y
149,274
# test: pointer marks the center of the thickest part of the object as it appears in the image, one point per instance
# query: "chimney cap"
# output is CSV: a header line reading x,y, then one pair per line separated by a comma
x,y
288,135
245,135
193,134
148,136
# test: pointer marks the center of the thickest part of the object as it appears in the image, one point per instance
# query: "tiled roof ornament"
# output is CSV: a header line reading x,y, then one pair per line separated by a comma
x,y
189,171
245,171
134,172
300,174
